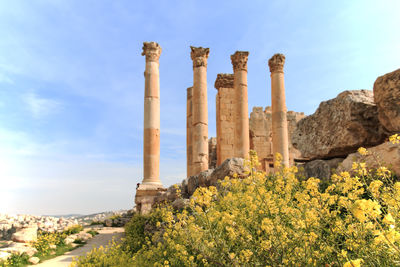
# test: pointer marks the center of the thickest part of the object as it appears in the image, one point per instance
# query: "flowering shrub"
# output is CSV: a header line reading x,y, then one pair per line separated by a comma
x,y
45,241
275,220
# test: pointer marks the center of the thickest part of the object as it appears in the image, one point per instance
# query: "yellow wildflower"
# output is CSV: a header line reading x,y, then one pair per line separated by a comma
x,y
353,263
362,151
388,219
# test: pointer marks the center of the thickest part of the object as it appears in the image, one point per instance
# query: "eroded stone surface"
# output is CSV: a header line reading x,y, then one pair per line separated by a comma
x,y
25,235
340,126
387,154
387,99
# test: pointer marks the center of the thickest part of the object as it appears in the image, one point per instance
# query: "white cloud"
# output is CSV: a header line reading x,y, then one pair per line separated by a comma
x,y
40,107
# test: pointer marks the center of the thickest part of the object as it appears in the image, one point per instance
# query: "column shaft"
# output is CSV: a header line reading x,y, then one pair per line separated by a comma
x,y
225,117
242,138
189,133
151,135
199,56
279,120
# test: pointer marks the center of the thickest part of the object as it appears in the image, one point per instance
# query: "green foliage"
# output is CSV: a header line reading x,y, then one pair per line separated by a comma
x,y
45,240
116,216
92,232
79,241
112,255
73,229
17,260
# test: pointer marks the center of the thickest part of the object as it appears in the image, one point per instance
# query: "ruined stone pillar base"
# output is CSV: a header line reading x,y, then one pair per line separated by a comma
x,y
144,198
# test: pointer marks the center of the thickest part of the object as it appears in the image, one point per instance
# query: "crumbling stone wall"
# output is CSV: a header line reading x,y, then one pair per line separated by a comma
x,y
261,135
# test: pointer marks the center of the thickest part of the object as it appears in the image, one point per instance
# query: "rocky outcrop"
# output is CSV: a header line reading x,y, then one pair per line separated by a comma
x,y
195,181
387,99
340,126
206,178
26,234
387,154
228,168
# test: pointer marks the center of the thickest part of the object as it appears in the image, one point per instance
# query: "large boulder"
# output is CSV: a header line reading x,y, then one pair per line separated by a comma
x,y
387,99
198,180
340,126
386,154
321,169
228,168
25,235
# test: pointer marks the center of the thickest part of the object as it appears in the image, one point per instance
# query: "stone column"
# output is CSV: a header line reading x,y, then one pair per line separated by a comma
x,y
280,140
151,137
242,139
189,133
199,56
151,184
225,108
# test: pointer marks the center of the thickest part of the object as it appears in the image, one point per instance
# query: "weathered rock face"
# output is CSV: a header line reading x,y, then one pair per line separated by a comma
x,y
25,235
340,126
388,155
387,99
321,169
197,180
228,168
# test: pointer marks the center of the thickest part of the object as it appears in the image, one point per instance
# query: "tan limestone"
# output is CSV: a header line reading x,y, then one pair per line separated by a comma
x,y
151,137
199,56
151,184
225,100
279,120
242,140
189,133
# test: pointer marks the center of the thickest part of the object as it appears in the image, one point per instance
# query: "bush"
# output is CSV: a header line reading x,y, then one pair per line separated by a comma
x,y
73,229
45,239
112,255
92,232
16,260
273,220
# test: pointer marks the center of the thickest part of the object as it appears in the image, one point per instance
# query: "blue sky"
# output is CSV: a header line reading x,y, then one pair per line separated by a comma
x,y
72,84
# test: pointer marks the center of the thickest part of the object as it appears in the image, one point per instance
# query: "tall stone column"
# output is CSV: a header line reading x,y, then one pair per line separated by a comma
x,y
225,107
242,139
280,142
199,56
189,133
151,137
151,184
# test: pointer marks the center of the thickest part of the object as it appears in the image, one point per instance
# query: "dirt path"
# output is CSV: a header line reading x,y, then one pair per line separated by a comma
x,y
105,235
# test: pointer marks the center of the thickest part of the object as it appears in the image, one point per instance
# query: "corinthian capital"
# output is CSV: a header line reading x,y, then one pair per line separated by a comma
x,y
224,81
152,51
239,60
276,63
199,56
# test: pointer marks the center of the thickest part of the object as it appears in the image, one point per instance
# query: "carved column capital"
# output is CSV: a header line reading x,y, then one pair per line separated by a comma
x,y
224,80
239,60
276,63
199,56
152,51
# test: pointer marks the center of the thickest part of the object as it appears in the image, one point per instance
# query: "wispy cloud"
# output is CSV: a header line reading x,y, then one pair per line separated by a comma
x,y
39,106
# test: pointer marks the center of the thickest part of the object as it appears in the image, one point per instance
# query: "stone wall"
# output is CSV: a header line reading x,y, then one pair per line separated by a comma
x,y
261,135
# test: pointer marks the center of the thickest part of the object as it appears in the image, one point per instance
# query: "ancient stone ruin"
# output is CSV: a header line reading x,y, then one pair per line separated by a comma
x,y
320,143
233,127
